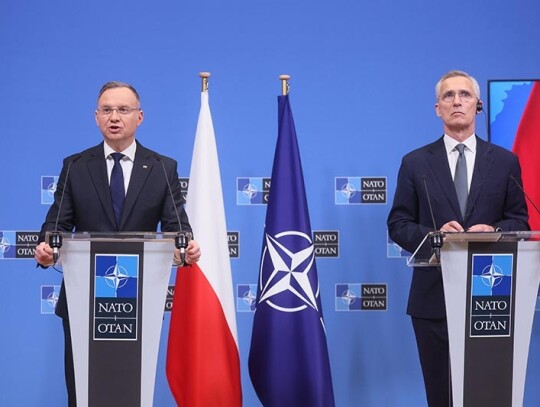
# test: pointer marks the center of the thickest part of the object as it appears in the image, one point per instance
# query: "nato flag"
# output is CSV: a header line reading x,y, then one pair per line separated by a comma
x,y
288,360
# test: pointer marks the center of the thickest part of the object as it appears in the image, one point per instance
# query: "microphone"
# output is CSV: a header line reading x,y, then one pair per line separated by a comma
x,y
55,238
182,239
436,237
524,193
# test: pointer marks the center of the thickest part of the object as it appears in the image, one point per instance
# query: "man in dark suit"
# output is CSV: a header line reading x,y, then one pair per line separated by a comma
x,y
148,183
492,201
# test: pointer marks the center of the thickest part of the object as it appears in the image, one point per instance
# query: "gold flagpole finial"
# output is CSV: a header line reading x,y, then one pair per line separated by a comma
x,y
204,76
284,84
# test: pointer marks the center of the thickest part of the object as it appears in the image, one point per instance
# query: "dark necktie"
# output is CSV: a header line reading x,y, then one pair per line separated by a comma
x,y
460,179
118,194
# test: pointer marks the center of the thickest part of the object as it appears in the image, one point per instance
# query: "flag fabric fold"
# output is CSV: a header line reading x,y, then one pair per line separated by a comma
x,y
289,364
203,367
527,148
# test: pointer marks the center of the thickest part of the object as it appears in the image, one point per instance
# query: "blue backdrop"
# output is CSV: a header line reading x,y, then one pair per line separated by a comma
x,y
362,94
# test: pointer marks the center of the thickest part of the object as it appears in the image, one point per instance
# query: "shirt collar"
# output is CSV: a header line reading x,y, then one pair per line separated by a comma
x,y
450,143
128,152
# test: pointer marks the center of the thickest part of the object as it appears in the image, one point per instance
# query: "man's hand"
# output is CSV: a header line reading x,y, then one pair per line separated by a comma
x,y
452,226
44,254
481,228
193,253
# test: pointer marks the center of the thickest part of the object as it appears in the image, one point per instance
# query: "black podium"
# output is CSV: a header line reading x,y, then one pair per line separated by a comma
x,y
491,287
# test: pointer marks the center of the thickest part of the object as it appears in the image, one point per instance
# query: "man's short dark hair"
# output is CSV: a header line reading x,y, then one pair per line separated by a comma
x,y
117,84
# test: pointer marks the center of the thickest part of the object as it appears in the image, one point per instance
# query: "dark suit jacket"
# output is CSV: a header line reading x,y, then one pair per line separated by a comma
x,y
494,199
87,202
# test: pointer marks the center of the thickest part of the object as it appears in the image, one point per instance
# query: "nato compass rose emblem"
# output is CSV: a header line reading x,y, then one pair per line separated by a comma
x,y
250,191
5,245
249,298
51,188
348,190
116,277
285,279
52,299
492,275
349,297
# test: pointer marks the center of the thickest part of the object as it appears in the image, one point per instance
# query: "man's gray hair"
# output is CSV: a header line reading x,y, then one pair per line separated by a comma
x,y
452,74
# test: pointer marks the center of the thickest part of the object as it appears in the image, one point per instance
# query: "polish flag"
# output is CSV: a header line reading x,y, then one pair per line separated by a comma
x,y
203,366
527,148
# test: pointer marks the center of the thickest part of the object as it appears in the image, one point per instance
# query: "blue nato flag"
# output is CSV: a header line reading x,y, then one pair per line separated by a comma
x,y
288,359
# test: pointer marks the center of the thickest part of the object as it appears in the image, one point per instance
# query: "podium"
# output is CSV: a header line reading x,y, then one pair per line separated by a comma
x,y
116,286
491,286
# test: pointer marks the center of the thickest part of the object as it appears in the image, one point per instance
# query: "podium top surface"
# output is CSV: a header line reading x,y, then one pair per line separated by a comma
x,y
109,236
424,255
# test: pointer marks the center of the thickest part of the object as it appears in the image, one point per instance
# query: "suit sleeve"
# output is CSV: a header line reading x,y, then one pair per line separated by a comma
x,y
404,225
172,212
62,207
514,216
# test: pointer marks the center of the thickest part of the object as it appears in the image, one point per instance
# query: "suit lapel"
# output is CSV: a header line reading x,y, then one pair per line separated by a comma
x,y
98,172
482,166
438,161
142,167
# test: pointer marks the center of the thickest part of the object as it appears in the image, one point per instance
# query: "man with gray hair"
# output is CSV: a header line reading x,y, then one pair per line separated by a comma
x,y
472,187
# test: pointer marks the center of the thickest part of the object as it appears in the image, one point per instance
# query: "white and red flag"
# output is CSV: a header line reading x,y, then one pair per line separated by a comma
x,y
203,366
527,148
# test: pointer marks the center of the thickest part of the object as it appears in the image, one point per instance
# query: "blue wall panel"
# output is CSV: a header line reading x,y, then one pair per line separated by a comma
x,y
362,95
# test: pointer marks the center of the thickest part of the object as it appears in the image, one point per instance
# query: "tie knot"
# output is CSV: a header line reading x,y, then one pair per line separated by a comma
x,y
117,157
460,147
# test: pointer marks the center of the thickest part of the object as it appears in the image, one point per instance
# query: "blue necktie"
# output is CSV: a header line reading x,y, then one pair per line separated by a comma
x,y
460,179
118,194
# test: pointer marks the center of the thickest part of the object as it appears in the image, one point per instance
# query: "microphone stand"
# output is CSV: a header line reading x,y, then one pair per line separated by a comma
x,y
435,237
55,241
55,238
182,238
181,242
436,242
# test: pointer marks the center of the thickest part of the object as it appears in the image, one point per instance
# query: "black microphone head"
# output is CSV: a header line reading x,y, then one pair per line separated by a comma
x,y
55,241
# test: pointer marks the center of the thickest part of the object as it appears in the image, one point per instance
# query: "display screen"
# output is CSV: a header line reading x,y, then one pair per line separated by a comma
x,y
506,102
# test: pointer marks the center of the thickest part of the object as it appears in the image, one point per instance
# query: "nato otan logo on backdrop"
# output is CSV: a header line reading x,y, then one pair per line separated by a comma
x,y
252,190
48,188
170,297
326,243
49,298
18,244
116,288
360,190
491,295
361,297
233,240
246,297
184,185
393,250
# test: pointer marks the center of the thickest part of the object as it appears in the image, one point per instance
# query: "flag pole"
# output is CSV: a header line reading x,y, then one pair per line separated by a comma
x,y
284,84
204,76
